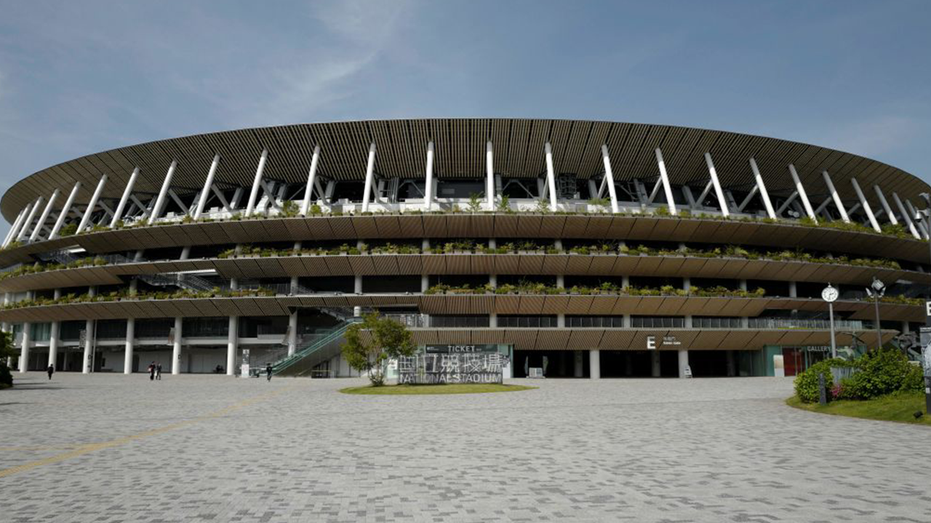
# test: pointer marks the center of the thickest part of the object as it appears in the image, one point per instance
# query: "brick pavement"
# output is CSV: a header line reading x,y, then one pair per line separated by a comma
x,y
212,448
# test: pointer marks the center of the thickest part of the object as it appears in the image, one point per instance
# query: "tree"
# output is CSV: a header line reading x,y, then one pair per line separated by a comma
x,y
372,342
6,351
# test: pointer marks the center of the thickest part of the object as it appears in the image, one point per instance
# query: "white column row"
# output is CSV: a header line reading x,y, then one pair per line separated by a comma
x,y
24,222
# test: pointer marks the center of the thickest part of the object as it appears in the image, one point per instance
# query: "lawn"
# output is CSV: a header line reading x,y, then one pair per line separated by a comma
x,y
899,407
409,390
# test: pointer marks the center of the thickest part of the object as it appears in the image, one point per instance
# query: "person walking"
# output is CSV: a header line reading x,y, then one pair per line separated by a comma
x,y
268,371
158,371
152,371
50,370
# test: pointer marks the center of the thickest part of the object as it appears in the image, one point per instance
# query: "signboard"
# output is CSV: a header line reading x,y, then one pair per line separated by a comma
x,y
454,366
926,349
460,349
244,367
666,341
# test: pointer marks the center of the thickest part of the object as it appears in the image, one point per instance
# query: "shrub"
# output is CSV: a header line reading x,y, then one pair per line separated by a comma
x,y
882,372
68,230
806,383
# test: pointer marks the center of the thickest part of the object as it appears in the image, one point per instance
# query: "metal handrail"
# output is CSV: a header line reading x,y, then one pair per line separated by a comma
x,y
317,344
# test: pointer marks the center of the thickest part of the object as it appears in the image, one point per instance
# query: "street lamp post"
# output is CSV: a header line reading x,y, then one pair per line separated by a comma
x,y
830,294
876,290
925,356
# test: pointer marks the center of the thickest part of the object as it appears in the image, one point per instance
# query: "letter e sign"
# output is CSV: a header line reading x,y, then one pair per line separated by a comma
x,y
651,342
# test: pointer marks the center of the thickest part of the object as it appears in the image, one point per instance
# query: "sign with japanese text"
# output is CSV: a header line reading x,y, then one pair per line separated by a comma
x,y
452,367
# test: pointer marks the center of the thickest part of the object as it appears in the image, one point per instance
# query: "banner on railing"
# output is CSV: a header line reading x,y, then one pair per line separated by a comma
x,y
452,367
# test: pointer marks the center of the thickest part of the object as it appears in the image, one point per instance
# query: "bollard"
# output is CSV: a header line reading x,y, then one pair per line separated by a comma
x,y
822,394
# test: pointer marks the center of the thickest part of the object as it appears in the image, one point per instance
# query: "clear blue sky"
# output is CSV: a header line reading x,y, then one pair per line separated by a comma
x,y
80,77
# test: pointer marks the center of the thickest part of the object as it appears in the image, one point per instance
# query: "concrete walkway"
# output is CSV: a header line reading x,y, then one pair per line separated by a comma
x,y
211,448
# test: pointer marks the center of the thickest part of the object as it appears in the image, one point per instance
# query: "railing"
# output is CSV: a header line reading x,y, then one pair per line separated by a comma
x,y
321,342
185,281
798,323
411,321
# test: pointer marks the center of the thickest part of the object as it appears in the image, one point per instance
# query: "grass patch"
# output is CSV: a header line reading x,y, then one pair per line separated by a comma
x,y
412,390
899,407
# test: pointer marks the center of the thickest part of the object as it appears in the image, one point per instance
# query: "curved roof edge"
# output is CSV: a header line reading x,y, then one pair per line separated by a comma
x,y
460,152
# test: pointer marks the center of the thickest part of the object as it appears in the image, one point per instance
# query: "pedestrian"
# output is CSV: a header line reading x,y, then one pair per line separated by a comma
x,y
268,371
152,371
51,370
158,370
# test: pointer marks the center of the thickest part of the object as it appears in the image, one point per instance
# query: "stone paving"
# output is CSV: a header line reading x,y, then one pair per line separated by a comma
x,y
110,448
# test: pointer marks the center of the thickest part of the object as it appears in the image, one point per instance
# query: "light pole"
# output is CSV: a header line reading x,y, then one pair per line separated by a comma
x,y
925,355
830,294
876,290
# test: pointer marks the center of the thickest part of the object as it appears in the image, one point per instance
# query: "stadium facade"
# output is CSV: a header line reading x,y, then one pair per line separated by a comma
x,y
586,249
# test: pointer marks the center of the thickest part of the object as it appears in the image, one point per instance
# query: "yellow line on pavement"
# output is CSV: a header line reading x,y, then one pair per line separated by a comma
x,y
93,447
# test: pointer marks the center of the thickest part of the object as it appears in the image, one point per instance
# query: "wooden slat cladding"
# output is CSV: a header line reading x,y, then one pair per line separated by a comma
x,y
460,152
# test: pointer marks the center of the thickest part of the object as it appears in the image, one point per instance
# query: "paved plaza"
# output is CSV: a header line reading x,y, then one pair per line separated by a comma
x,y
108,448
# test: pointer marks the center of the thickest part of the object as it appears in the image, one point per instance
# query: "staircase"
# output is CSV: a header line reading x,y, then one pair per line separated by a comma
x,y
320,349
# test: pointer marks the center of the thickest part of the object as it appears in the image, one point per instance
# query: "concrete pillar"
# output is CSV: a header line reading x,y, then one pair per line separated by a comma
x,y
232,345
176,348
594,364
88,347
731,364
579,359
24,348
683,362
185,252
493,320
687,286
53,344
357,287
655,364
292,333
130,338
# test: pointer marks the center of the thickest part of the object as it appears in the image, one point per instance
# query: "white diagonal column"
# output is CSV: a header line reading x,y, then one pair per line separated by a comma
x,y
905,216
836,197
311,180
370,174
718,190
88,339
885,205
44,216
550,175
257,183
29,217
922,228
14,229
802,194
64,211
866,205
163,193
764,194
92,203
609,176
664,178
428,180
208,184
118,213
490,176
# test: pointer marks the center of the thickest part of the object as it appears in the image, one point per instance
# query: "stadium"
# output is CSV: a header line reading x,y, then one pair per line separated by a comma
x,y
586,249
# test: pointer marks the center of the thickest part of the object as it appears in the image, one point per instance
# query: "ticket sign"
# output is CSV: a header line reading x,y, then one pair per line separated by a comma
x,y
460,349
